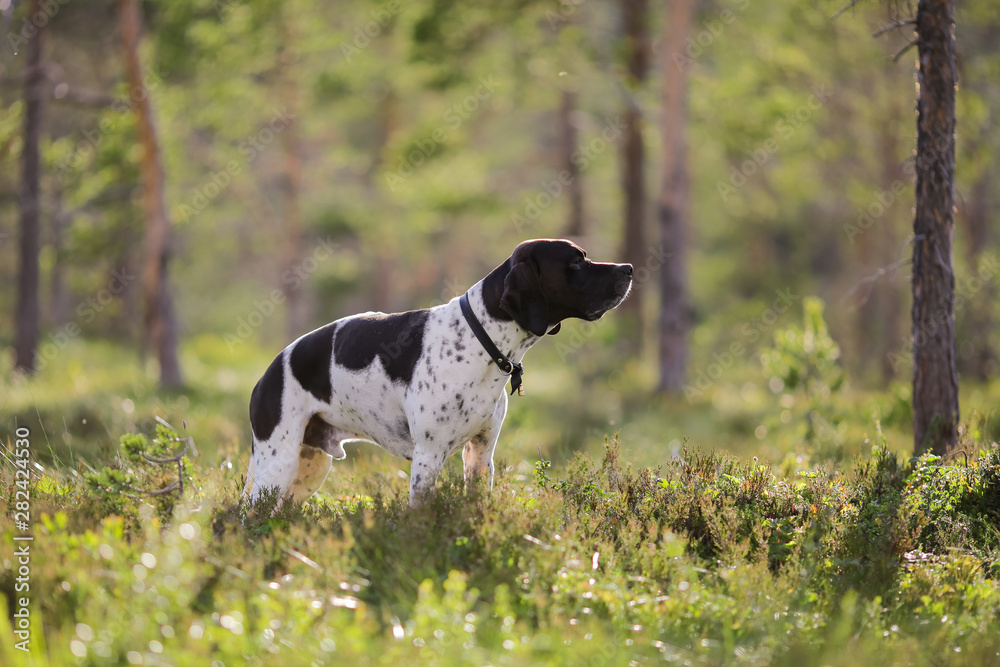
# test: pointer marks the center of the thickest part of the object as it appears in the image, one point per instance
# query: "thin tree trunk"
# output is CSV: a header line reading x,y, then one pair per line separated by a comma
x,y
574,190
977,216
382,280
160,322
888,297
674,201
291,185
60,308
635,14
935,376
28,310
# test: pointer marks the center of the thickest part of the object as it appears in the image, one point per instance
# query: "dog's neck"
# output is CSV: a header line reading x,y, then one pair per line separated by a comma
x,y
508,335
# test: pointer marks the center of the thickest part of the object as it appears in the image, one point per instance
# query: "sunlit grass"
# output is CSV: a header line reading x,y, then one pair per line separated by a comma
x,y
708,560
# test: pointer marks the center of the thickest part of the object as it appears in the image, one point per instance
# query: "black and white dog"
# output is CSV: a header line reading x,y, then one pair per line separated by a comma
x,y
421,384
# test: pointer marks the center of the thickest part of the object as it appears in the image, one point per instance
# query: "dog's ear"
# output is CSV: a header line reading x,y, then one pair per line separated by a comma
x,y
523,298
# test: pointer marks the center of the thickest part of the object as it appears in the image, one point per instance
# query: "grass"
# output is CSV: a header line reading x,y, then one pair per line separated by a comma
x,y
693,537
705,560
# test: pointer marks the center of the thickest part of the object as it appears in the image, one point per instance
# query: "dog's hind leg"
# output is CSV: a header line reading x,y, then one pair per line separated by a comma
x,y
314,466
321,444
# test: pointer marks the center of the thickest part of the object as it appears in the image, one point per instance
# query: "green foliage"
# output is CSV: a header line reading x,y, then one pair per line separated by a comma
x,y
151,469
807,361
954,506
701,560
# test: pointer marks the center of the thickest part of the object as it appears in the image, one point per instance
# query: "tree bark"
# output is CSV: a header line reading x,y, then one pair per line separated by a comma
x,y
160,322
574,221
674,204
935,376
28,310
637,48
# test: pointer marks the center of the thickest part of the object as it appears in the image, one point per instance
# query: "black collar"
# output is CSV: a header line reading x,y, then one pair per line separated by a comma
x,y
506,366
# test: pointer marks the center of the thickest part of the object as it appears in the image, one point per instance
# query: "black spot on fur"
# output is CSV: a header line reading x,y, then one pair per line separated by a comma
x,y
427,435
265,400
397,340
310,361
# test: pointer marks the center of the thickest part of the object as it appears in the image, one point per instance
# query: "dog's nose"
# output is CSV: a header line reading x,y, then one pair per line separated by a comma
x,y
627,268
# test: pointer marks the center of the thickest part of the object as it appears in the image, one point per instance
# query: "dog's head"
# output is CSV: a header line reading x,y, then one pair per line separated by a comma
x,y
550,280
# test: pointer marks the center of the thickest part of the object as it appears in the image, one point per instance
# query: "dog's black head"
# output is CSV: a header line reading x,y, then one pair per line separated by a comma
x,y
550,280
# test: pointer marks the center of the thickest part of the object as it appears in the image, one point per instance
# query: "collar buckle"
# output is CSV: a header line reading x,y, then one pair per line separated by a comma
x,y
506,366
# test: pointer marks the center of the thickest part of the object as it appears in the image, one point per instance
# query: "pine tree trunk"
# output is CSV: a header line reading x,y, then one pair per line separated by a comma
x,y
28,310
574,222
160,322
635,14
935,376
674,202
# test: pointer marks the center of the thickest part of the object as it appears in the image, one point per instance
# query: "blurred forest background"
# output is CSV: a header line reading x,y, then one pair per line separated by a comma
x,y
320,159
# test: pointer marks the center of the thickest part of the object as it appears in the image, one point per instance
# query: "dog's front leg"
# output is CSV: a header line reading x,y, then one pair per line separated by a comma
x,y
424,471
477,455
477,461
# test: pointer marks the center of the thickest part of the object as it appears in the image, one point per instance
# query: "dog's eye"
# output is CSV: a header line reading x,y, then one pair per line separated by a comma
x,y
576,263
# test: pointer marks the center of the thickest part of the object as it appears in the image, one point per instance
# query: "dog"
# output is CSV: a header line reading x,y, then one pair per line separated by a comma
x,y
420,384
